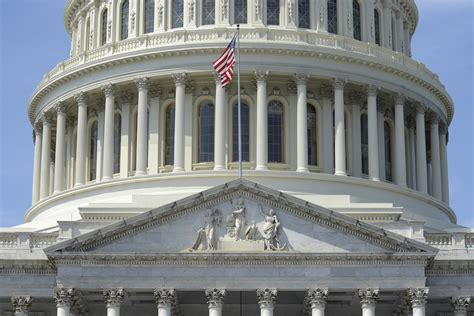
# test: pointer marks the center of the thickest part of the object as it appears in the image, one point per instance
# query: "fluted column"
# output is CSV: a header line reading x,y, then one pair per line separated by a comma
x,y
142,124
113,298
165,298
60,151
339,129
418,298
38,128
301,123
266,300
154,130
411,162
435,157
45,156
368,299
262,120
219,126
460,305
21,304
215,299
328,130
421,172
99,113
400,162
70,123
356,101
317,299
444,162
81,147
180,81
64,299
125,100
108,155
374,173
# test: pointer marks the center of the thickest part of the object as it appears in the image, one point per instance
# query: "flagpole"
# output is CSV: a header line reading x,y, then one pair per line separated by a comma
x,y
238,101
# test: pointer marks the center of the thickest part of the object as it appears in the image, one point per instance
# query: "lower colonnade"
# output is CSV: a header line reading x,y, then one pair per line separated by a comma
x,y
70,302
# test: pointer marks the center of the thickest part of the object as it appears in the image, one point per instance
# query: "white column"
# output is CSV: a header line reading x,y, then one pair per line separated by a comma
x,y
81,147
38,130
70,123
125,99
21,304
180,81
262,120
460,305
64,299
154,121
339,129
215,299
219,125
165,299
400,163
381,141
266,301
113,298
368,299
60,151
99,112
45,156
411,161
356,100
317,298
328,131
108,153
142,126
301,123
373,131
444,162
418,298
435,157
421,171
51,175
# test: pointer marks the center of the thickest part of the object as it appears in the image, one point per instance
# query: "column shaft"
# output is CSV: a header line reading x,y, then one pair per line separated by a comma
x,y
339,130
164,310
125,136
368,310
435,158
262,122
328,134
45,158
37,165
81,147
219,127
400,162
60,153
301,123
317,310
108,161
142,124
180,80
444,164
356,141
63,311
381,143
421,171
154,121
372,137
100,143
419,310
113,310
70,155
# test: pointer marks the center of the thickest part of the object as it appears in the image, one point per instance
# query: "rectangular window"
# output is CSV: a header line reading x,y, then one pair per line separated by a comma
x,y
303,14
178,14
208,12
273,12
332,16
149,16
240,11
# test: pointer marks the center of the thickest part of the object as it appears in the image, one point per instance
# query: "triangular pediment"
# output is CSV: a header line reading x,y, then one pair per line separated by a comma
x,y
240,217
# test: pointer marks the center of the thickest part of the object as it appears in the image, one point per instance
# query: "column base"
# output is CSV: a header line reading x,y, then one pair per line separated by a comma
x,y
77,185
178,169
302,169
375,179
340,173
261,168
106,179
219,168
140,173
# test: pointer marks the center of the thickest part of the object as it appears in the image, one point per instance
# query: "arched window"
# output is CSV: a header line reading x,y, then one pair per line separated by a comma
x,y
303,14
388,151
149,16
245,132
93,151
240,11
208,12
332,16
124,20
275,132
273,12
117,141
169,135
356,25
364,132
312,135
178,13
103,31
206,132
377,26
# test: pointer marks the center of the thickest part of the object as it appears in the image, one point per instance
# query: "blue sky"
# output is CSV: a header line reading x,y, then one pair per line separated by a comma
x,y
33,40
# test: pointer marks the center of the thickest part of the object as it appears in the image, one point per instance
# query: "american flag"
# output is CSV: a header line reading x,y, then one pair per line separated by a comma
x,y
224,65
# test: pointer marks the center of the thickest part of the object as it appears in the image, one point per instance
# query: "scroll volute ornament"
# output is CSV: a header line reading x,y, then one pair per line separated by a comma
x,y
418,296
114,297
266,297
215,297
368,296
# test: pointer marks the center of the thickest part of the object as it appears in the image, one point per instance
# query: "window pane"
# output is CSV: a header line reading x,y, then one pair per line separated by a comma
x,y
273,12
245,132
208,12
356,20
103,37
149,15
206,133
303,14
377,26
124,22
178,8
365,143
93,151
388,151
332,16
117,139
275,132
169,138
240,11
312,136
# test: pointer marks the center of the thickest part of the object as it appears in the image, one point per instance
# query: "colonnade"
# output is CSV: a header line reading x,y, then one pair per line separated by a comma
x,y
410,142
68,302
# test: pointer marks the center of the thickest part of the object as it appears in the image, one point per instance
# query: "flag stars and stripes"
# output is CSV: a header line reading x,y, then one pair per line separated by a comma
x,y
224,65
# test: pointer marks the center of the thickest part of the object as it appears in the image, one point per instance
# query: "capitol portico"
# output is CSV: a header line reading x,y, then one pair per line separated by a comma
x,y
137,206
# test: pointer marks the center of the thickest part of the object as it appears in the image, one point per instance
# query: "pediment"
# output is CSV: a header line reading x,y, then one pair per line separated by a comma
x,y
240,217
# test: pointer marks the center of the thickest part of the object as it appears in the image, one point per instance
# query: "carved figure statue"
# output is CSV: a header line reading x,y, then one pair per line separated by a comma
x,y
160,14
271,230
251,232
206,236
239,215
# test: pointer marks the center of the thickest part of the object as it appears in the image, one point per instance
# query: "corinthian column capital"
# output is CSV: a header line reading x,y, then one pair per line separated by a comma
x,y
81,98
266,297
38,127
368,296
301,78
108,90
399,98
372,91
460,304
180,78
113,297
21,303
261,76
64,297
142,83
317,297
215,297
46,118
418,296
60,107
165,297
339,83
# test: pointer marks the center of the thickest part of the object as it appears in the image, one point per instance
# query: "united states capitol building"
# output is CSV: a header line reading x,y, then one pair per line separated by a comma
x,y
137,204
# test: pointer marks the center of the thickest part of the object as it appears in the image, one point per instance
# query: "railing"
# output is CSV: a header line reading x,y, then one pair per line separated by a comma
x,y
27,240
450,240
439,240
